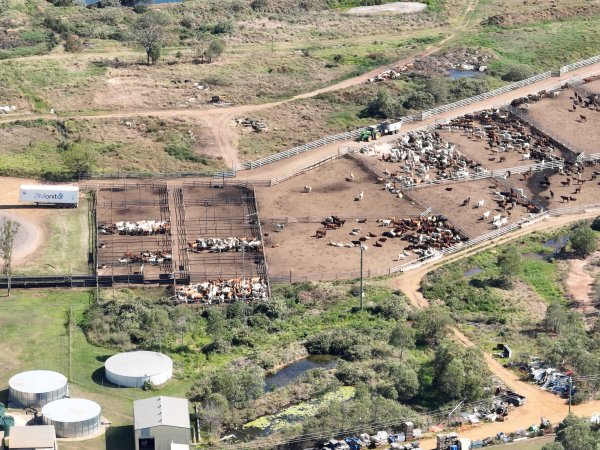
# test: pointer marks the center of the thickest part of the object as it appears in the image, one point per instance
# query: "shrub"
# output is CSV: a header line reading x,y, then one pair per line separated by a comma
x,y
596,224
224,27
517,73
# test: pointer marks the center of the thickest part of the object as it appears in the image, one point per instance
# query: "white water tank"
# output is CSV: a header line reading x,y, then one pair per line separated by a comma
x,y
73,417
35,388
133,369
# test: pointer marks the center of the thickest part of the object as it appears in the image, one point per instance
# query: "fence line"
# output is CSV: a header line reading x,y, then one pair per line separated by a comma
x,y
309,166
574,149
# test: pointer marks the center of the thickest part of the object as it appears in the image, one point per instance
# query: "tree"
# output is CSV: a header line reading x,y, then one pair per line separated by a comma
x,y
213,412
553,446
438,88
418,100
79,160
8,233
384,106
149,32
215,48
432,324
583,239
510,264
576,433
517,72
403,337
596,224
451,381
73,44
406,381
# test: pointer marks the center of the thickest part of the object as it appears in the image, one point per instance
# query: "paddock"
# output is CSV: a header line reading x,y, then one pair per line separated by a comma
x,y
290,219
223,211
469,217
134,251
557,114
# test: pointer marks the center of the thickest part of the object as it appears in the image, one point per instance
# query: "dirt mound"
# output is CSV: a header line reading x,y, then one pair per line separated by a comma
x,y
553,12
390,8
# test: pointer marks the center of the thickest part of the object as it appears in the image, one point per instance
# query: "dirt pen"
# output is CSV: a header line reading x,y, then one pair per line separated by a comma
x,y
221,210
123,247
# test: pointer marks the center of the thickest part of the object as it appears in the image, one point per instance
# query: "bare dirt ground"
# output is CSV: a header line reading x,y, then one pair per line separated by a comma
x,y
389,8
557,115
579,286
590,190
539,402
33,220
468,217
296,246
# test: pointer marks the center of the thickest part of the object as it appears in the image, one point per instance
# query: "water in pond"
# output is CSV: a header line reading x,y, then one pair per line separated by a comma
x,y
295,370
454,74
473,271
556,244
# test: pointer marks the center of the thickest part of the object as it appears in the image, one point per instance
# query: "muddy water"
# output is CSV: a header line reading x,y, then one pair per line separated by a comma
x,y
295,370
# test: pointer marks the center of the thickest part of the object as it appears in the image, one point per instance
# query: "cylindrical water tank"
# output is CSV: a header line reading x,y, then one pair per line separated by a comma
x,y
37,388
73,417
133,369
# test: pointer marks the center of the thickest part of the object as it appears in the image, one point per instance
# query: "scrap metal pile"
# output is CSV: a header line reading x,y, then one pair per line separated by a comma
x,y
222,291
425,156
140,228
221,245
381,439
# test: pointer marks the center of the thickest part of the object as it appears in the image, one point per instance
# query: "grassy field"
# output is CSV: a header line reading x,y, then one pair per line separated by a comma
x,y
65,249
35,326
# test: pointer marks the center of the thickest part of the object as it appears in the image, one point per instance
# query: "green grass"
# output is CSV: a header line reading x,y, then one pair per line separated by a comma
x,y
34,326
543,278
543,46
65,248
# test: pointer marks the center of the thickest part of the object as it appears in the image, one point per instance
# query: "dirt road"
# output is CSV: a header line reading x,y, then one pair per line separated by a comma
x,y
539,402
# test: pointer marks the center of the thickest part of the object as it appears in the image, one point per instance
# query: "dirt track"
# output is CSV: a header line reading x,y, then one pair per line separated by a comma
x,y
539,402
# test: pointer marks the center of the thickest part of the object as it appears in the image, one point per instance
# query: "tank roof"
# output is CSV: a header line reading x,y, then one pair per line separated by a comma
x,y
138,364
37,381
71,410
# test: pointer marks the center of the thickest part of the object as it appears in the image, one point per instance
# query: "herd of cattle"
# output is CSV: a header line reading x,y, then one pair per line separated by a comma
x,y
228,244
425,156
223,291
139,228
426,235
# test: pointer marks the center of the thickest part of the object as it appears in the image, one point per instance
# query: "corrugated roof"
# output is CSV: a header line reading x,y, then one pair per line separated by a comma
x,y
157,411
38,436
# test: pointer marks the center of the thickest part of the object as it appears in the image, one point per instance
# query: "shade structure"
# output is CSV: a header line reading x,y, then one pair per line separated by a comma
x,y
73,417
36,388
133,369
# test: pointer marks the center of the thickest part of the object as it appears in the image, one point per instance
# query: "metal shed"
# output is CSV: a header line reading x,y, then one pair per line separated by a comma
x,y
36,388
39,437
160,422
73,417
133,369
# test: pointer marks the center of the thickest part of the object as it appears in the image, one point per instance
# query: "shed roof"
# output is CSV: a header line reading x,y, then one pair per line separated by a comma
x,y
157,411
38,436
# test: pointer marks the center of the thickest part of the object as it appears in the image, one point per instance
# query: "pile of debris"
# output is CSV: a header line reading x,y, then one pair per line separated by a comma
x,y
140,228
551,379
456,60
222,291
229,244
384,439
426,157
7,109
257,125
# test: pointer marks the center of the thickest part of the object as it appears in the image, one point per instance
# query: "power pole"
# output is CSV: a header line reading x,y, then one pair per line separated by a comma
x,y
362,292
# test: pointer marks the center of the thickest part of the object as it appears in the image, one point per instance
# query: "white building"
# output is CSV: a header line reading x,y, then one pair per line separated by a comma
x,y
161,423
37,437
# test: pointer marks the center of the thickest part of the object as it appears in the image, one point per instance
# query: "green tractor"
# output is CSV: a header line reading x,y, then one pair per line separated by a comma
x,y
371,133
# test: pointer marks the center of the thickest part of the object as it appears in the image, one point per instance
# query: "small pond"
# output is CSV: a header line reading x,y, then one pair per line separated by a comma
x,y
455,74
293,371
472,271
556,244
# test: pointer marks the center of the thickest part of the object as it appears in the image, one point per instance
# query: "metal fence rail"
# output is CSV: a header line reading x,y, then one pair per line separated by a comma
x,y
311,165
569,146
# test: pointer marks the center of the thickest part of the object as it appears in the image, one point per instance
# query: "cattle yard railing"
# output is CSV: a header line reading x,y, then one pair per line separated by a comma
x,y
568,146
311,165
